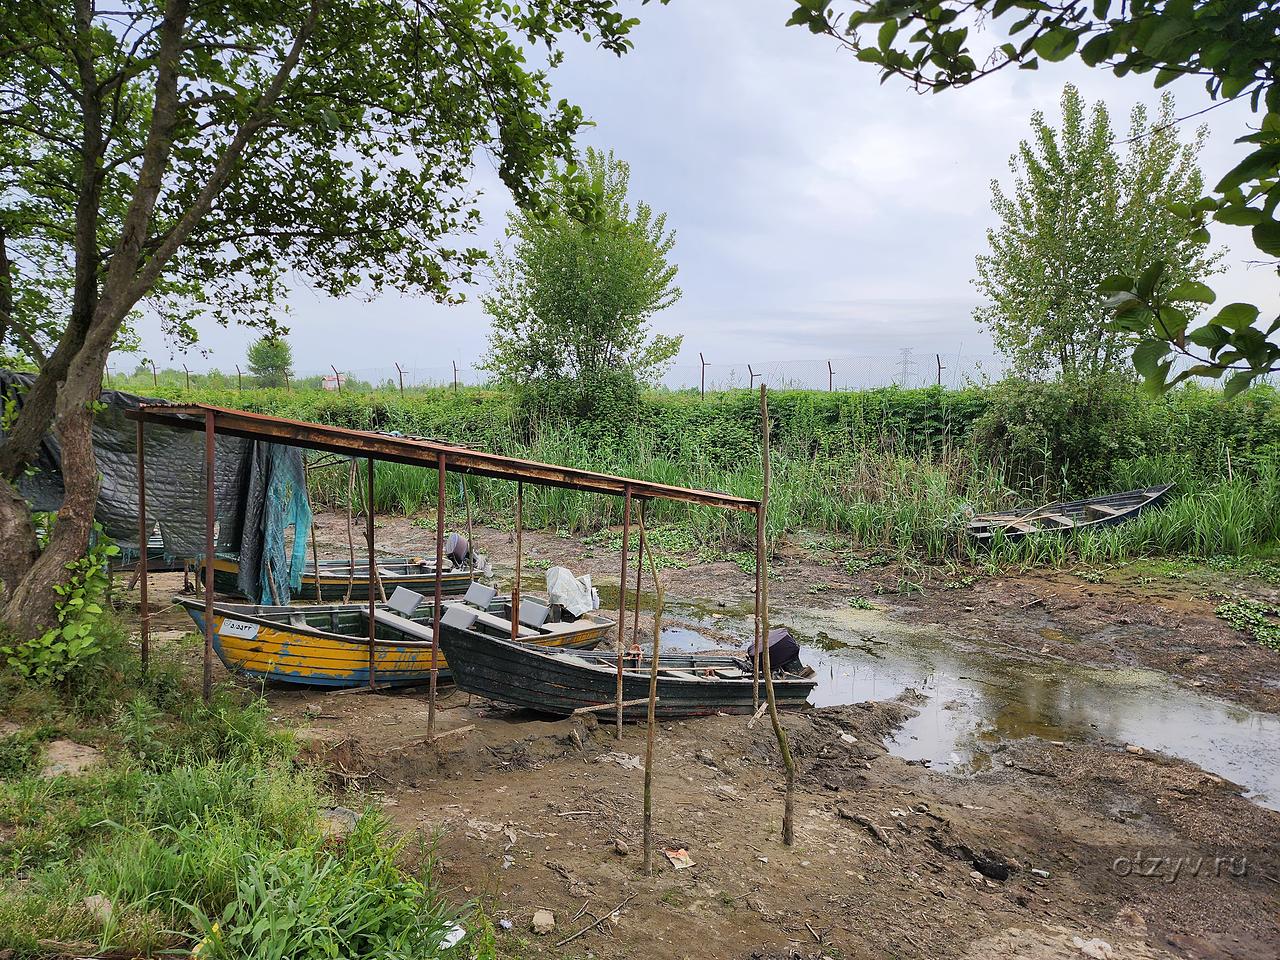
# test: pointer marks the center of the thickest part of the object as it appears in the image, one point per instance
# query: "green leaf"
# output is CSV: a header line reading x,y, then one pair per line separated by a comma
x,y
1146,285
1192,290
888,30
1266,237
1056,44
1236,383
1210,335
1239,216
1147,356
1116,283
1258,164
1237,316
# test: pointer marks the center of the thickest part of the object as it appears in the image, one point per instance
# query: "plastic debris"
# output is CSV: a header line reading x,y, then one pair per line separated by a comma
x,y
1095,949
679,858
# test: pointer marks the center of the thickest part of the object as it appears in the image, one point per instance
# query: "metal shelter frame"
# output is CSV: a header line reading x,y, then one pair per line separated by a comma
x,y
425,453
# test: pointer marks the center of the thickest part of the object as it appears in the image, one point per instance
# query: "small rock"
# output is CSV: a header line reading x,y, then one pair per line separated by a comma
x,y
338,822
100,908
1042,874
313,709
620,847
1131,920
544,921
1135,749
848,738
505,924
706,756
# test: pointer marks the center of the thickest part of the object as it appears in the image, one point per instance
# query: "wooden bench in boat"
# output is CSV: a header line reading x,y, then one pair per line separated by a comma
x,y
410,628
1103,510
1057,518
501,625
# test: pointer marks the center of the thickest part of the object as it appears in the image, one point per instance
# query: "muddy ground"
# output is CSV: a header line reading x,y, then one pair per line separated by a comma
x,y
1051,845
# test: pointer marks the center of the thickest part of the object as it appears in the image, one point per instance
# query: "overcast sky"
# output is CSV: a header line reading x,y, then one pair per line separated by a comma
x,y
819,214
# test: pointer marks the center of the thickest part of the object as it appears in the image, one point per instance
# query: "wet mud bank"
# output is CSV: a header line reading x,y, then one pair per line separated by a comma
x,y
1014,768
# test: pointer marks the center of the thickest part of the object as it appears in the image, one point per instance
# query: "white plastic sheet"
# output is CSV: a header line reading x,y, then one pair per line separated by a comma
x,y
575,594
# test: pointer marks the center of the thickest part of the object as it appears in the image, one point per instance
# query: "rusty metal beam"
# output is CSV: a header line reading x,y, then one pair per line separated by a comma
x,y
312,436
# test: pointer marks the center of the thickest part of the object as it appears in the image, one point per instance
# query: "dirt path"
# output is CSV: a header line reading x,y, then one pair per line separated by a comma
x,y
1151,855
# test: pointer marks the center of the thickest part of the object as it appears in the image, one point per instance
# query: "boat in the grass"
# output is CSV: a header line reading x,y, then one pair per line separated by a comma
x,y
328,645
1068,515
413,573
559,682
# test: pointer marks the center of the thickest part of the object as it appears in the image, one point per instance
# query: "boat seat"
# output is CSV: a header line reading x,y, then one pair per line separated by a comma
x,y
479,595
410,628
533,614
504,626
1104,510
1056,518
730,673
459,616
679,674
404,601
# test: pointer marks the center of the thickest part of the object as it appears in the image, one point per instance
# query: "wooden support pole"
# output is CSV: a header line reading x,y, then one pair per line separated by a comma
x,y
144,538
515,584
755,650
315,549
622,597
653,701
209,547
439,597
788,826
635,624
373,572
466,503
351,540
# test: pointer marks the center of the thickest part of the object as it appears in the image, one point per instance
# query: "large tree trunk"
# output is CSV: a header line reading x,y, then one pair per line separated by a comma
x,y
31,606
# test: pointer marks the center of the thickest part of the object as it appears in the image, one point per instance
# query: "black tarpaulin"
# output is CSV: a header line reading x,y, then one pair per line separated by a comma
x,y
258,488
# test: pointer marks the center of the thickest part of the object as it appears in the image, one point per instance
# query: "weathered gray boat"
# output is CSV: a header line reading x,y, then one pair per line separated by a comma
x,y
1067,515
560,681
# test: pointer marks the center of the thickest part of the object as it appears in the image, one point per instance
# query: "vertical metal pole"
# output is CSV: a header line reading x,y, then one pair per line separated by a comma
x,y
515,584
439,598
239,379
622,595
144,536
207,685
373,573
188,373
155,382
455,376
702,361
652,724
788,803
337,377
940,368
400,373
635,625
756,649
831,376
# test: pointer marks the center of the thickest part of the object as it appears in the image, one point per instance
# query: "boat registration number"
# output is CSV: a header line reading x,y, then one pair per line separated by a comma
x,y
238,628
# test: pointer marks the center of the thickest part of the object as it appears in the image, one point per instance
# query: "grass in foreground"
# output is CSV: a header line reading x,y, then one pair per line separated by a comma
x,y
200,833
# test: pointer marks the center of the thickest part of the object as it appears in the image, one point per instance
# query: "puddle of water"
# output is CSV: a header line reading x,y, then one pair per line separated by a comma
x,y
976,698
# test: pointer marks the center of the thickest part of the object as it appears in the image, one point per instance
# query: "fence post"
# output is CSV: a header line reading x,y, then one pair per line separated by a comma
x,y
455,376
940,368
288,386
400,373
336,376
704,374
830,378
240,379
751,383
188,373
155,383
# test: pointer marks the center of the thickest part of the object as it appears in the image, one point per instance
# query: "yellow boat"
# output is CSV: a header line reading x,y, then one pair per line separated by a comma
x,y
328,645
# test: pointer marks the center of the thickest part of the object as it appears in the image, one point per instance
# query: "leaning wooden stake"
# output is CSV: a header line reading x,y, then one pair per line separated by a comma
x,y
622,597
373,573
144,538
315,550
515,581
438,611
653,701
635,624
788,827
351,541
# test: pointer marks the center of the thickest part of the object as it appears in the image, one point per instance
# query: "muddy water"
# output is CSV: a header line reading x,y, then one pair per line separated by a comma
x,y
976,697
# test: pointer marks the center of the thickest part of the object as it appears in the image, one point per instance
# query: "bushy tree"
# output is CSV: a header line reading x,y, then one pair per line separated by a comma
x,y
1231,44
573,291
271,360
191,156
1082,208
